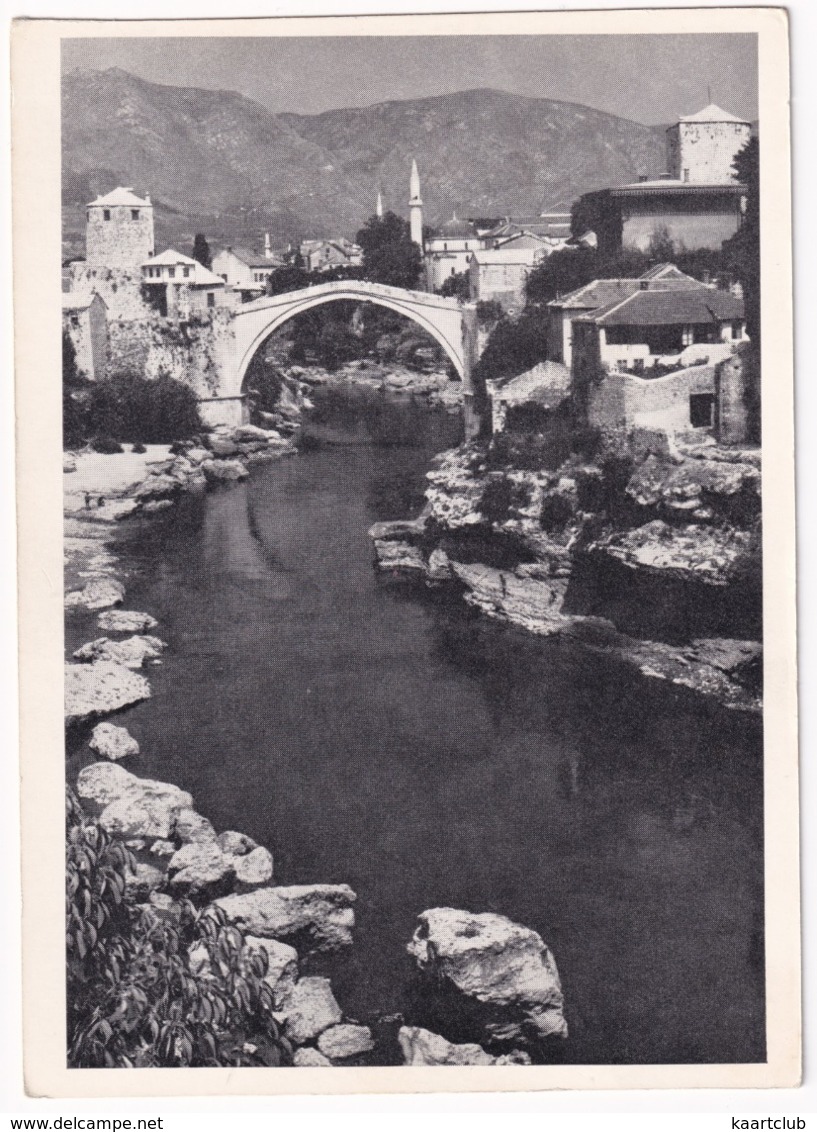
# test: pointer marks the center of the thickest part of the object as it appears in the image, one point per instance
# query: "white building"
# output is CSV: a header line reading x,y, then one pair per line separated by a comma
x,y
179,285
500,275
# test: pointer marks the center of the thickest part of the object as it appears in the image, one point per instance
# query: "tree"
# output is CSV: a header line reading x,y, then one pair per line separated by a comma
x,y
201,251
288,278
74,387
457,286
662,246
743,249
389,254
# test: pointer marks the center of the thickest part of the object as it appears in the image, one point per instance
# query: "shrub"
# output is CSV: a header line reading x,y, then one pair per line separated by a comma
x,y
489,311
106,444
557,510
133,998
139,448
457,286
137,409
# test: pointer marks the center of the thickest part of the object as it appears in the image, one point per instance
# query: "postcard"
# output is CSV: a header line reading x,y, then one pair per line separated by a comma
x,y
407,553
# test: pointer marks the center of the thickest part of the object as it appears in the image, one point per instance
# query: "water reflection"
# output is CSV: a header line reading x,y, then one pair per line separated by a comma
x,y
394,740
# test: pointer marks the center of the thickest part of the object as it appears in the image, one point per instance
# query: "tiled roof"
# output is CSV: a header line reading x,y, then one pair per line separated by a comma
x,y
122,196
669,185
602,292
669,308
547,383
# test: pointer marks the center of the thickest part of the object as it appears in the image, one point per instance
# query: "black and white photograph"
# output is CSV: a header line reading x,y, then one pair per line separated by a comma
x,y
414,512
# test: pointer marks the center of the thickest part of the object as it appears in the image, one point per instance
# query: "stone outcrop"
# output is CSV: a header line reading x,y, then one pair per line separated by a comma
x,y
100,688
697,553
310,1009
200,869
126,621
132,652
305,1057
236,844
422,1047
218,470
319,915
504,971
345,1040
99,593
131,806
253,868
112,742
192,828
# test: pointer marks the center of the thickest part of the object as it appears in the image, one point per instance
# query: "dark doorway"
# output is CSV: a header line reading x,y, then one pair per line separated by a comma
x,y
701,409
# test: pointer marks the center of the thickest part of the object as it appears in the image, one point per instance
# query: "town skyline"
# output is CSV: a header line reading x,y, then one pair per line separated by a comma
x,y
292,75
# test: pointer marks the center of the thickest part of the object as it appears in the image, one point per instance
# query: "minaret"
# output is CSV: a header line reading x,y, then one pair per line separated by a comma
x,y
415,207
267,248
378,208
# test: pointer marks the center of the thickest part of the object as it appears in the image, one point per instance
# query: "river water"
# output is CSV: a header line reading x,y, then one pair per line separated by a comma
x,y
389,738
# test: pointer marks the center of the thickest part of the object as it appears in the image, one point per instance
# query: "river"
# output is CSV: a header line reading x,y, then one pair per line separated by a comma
x,y
389,738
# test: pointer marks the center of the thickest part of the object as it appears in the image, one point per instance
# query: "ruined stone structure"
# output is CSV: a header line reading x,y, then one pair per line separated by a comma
x,y
85,321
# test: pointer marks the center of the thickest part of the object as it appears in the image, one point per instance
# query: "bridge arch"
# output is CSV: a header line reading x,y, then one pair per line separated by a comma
x,y
254,322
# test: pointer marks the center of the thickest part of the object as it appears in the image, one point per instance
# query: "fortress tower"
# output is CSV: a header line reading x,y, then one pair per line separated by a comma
x,y
415,207
701,147
119,231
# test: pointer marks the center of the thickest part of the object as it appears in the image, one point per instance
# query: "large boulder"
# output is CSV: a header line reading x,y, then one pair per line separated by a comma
x,y
502,971
224,470
192,828
131,806
112,742
223,446
310,1009
160,486
126,621
254,868
308,1058
99,689
132,652
99,593
344,1041
236,844
200,869
319,915
422,1047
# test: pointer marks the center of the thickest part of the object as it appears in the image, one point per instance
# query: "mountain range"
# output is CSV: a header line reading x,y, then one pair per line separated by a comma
x,y
217,162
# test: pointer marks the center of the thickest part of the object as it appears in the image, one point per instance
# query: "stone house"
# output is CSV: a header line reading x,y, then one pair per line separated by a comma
x,y
564,310
85,319
537,391
245,271
324,255
650,359
177,286
500,275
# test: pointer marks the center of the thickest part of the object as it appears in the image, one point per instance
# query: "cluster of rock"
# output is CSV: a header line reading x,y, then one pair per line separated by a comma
x,y
686,516
435,387
105,680
178,854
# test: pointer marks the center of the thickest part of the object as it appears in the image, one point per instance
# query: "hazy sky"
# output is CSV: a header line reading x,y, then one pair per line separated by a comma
x,y
649,78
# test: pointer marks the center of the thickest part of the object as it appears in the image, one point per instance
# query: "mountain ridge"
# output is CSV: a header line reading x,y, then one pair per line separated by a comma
x,y
219,162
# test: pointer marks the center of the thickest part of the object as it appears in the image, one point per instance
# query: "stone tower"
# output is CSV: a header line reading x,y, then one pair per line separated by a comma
x,y
119,231
415,207
701,147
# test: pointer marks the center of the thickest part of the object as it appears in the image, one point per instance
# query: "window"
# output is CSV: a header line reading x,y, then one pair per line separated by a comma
x,y
211,299
134,214
737,329
106,214
701,409
224,277
186,272
171,271
88,215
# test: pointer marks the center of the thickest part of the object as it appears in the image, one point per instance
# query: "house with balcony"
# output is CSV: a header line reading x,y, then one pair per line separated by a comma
x,y
177,286
651,359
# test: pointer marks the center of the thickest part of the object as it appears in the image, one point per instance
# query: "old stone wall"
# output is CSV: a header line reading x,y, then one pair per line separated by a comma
x,y
187,352
120,288
621,401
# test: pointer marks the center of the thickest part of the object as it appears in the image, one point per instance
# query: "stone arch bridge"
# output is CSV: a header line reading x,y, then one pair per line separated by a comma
x,y
450,323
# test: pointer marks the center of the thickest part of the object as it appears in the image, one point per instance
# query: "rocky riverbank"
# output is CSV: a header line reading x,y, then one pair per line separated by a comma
x,y
434,386
649,553
497,980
